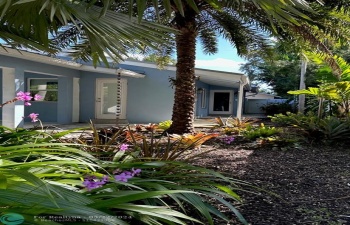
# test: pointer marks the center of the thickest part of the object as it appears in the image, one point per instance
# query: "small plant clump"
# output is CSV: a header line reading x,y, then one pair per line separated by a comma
x,y
328,129
262,131
164,125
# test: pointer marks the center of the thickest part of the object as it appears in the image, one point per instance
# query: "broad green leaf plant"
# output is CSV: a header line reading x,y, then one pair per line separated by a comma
x,y
333,87
48,182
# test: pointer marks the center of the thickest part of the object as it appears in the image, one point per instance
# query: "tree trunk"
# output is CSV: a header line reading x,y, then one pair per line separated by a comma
x,y
301,106
183,109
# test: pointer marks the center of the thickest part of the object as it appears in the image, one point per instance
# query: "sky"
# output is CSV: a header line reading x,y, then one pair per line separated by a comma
x,y
225,60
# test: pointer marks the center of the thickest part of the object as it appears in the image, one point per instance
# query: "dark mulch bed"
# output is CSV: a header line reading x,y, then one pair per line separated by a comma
x,y
313,183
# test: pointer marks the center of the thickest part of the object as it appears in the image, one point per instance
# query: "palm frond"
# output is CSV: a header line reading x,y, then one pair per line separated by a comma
x,y
99,26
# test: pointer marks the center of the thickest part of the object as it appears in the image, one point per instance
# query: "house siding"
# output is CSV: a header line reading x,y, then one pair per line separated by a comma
x,y
150,99
202,112
48,111
88,93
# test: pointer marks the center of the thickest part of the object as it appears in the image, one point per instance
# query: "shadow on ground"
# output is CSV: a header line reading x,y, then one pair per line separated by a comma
x,y
313,183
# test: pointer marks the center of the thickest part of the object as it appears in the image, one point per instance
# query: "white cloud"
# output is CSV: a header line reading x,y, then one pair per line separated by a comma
x,y
220,64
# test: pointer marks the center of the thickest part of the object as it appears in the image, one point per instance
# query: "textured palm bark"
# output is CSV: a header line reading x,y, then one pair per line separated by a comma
x,y
183,109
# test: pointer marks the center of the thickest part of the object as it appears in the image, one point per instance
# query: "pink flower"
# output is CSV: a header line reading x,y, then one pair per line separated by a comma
x,y
124,147
27,103
34,117
24,96
37,97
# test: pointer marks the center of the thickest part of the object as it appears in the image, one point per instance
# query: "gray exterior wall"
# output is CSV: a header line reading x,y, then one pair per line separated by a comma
x,y
87,94
60,111
202,112
150,99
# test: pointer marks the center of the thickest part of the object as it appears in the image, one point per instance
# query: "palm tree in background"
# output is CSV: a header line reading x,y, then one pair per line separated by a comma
x,y
246,24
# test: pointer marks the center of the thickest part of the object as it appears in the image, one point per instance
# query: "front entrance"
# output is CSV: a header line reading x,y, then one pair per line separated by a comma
x,y
220,102
107,97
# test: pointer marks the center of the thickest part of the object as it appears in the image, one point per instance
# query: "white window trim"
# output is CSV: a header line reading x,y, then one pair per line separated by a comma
x,y
29,90
211,102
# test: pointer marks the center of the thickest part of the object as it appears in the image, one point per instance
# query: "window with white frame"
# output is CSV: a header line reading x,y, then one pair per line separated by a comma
x,y
47,88
204,99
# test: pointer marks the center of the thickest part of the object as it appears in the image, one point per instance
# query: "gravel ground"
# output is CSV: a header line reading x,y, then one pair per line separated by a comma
x,y
304,185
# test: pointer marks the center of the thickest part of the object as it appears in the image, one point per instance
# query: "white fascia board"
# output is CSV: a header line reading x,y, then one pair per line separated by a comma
x,y
122,72
147,65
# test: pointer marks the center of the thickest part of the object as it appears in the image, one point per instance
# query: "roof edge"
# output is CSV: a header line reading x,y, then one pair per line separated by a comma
x,y
34,57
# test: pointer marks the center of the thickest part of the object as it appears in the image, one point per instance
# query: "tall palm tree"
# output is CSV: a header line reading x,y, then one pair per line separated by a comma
x,y
246,24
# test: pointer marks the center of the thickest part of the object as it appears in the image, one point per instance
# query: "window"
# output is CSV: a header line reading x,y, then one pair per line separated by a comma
x,y
204,99
47,88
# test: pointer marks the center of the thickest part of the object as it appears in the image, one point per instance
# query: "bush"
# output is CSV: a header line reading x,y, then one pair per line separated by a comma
x,y
326,129
292,119
277,108
252,133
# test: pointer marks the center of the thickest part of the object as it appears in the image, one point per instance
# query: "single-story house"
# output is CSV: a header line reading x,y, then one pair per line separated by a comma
x,y
255,101
76,92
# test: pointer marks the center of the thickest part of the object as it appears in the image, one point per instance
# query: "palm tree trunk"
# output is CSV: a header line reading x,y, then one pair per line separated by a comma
x,y
183,109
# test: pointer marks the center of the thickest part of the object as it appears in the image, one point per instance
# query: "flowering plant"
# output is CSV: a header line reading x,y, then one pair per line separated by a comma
x,y
91,182
25,97
228,139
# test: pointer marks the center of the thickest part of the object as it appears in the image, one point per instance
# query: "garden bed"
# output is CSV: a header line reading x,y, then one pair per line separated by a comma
x,y
313,183
297,183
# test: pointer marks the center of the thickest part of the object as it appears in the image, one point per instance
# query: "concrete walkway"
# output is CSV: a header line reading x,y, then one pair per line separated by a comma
x,y
198,123
53,126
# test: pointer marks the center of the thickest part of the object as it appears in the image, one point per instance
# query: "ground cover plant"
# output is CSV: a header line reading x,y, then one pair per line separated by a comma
x,y
127,188
52,178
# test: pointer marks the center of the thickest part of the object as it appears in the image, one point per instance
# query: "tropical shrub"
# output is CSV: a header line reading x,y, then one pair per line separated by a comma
x,y
261,131
233,125
50,179
231,130
50,175
166,147
334,129
292,119
314,128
